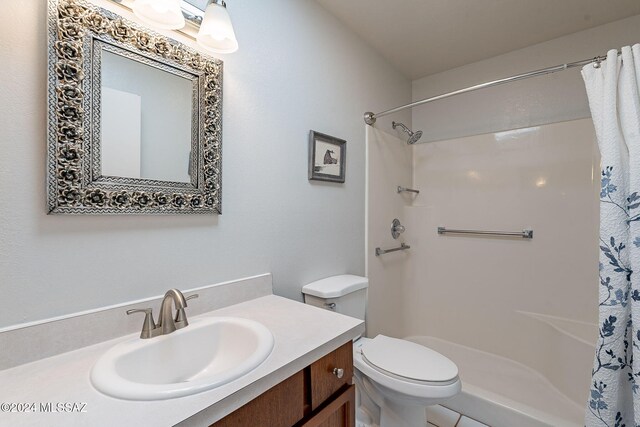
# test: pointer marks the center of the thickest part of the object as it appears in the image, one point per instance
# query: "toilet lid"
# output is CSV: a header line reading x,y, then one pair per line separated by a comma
x,y
409,360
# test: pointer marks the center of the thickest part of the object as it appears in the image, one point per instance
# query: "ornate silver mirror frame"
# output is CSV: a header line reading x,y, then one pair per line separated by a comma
x,y
78,32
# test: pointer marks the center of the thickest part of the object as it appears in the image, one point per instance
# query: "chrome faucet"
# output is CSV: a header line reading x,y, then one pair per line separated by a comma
x,y
166,322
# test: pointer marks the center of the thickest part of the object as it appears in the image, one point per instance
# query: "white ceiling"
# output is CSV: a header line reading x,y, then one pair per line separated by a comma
x,y
423,37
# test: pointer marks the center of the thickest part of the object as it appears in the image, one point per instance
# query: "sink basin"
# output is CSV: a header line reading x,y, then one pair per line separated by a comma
x,y
208,353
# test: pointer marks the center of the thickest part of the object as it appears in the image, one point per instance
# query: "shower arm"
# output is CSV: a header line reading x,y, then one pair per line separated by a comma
x,y
403,127
370,118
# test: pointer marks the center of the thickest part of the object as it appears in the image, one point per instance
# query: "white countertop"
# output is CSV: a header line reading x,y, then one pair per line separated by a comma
x,y
302,333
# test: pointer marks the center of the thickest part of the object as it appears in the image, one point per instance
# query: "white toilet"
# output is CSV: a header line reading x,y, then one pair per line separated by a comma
x,y
395,379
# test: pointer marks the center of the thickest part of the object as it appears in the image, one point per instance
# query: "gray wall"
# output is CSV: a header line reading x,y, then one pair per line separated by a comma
x,y
297,69
540,100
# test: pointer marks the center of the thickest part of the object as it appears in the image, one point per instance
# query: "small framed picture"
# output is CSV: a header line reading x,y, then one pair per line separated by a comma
x,y
327,157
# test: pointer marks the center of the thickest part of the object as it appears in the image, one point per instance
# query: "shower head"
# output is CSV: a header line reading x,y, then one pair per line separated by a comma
x,y
413,136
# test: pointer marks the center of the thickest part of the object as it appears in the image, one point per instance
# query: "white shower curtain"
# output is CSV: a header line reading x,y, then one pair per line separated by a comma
x,y
614,98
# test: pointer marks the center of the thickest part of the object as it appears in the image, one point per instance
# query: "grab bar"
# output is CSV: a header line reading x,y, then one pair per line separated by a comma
x,y
525,234
408,190
402,247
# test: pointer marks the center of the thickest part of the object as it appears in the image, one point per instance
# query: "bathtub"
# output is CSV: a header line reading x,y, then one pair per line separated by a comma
x,y
503,393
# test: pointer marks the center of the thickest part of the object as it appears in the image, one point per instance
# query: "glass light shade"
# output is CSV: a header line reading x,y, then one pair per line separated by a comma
x,y
164,14
216,31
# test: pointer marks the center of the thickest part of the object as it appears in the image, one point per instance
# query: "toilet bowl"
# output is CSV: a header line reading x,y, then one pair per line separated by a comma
x,y
395,379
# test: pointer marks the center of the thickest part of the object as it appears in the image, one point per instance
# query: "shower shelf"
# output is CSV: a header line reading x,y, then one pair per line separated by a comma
x,y
402,247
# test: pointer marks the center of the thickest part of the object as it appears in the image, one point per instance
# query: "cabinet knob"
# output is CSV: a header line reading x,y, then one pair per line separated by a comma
x,y
338,372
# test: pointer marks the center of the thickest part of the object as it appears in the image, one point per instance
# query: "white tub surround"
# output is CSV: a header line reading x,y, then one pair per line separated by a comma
x,y
302,335
389,165
505,298
512,294
503,393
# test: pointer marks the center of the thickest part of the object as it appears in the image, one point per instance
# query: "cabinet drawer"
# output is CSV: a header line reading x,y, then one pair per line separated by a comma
x,y
280,406
324,382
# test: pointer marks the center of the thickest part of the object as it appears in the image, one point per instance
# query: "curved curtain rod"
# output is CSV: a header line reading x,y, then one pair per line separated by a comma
x,y
370,118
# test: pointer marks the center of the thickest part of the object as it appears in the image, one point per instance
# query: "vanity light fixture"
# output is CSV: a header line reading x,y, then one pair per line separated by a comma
x,y
164,14
206,21
216,31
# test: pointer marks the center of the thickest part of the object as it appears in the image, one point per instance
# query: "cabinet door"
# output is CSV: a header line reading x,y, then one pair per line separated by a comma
x,y
324,382
280,406
339,413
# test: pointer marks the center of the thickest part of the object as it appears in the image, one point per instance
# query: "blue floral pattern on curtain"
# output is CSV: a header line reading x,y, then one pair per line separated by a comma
x,y
614,98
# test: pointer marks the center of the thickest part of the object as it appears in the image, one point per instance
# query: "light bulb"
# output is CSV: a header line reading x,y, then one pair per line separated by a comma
x,y
164,14
216,31
160,7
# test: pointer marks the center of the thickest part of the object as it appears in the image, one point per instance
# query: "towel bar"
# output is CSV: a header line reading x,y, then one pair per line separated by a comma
x,y
525,234
402,247
408,190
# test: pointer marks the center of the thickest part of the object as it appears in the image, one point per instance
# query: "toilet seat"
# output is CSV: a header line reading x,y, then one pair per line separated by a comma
x,y
409,361
409,390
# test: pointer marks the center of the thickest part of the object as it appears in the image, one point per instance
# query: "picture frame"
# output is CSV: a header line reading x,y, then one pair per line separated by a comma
x,y
327,157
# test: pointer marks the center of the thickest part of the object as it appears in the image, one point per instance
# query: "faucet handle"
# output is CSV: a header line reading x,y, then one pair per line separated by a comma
x,y
146,311
181,316
148,325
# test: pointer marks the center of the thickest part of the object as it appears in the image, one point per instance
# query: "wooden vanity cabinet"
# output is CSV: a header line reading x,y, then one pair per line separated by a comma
x,y
313,397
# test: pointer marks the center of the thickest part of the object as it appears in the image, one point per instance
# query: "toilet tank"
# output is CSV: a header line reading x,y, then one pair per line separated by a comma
x,y
345,294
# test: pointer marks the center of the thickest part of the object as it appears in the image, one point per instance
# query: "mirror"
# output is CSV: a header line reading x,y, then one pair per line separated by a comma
x,y
134,118
145,132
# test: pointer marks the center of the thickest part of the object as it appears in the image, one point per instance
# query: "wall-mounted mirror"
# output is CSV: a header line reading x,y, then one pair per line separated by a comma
x,y
134,118
145,132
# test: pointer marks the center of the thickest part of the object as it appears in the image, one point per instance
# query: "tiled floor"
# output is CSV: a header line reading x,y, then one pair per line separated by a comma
x,y
439,416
